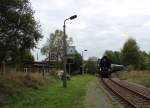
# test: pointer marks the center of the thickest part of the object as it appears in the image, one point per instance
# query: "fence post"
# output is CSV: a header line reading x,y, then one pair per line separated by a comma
x,y
3,67
43,73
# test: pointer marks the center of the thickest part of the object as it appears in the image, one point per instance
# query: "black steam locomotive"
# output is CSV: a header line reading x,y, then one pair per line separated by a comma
x,y
106,71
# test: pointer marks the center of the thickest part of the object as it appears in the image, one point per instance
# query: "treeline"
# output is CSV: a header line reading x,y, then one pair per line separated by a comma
x,y
130,55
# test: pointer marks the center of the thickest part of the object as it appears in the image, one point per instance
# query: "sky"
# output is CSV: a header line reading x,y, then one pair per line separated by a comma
x,y
101,24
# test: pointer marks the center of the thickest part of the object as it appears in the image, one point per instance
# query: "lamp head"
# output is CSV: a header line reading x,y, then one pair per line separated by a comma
x,y
73,17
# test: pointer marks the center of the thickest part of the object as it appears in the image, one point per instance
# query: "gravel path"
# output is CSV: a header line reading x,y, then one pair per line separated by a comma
x,y
96,97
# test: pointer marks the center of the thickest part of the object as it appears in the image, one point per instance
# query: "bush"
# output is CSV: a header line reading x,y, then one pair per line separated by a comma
x,y
91,67
32,80
130,68
11,84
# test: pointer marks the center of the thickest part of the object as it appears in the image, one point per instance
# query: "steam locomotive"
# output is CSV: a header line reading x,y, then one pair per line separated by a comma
x,y
106,73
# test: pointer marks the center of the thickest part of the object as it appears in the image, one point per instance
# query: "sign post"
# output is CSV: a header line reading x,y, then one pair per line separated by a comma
x,y
70,57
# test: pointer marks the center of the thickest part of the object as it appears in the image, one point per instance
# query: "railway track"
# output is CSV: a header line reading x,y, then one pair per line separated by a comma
x,y
133,97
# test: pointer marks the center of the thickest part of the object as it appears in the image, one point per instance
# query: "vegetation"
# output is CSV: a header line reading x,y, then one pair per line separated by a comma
x,y
53,49
19,32
140,77
17,84
54,46
130,56
130,53
53,95
75,67
91,65
134,59
114,56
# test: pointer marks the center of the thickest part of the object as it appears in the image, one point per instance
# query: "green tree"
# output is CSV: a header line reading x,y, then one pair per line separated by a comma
x,y
27,56
147,63
53,45
131,53
114,56
144,60
91,65
53,48
77,62
18,29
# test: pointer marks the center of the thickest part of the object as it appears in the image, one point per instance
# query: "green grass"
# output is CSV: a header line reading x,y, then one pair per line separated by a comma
x,y
19,83
140,77
53,95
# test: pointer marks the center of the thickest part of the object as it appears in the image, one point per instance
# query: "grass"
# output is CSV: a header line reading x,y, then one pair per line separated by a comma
x,y
19,83
140,77
52,95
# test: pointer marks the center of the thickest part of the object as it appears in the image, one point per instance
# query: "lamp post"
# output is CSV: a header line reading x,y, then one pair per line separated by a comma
x,y
83,61
65,51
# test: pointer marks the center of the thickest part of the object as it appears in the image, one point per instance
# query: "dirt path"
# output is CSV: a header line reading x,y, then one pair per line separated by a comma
x,y
96,97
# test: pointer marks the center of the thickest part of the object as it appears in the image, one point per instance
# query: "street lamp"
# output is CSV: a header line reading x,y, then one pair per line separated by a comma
x,y
65,51
83,61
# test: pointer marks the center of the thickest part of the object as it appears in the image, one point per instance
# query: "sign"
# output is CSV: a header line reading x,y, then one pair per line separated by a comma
x,y
70,54
71,50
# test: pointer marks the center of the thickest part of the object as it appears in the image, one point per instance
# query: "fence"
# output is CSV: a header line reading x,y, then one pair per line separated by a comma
x,y
27,67
8,68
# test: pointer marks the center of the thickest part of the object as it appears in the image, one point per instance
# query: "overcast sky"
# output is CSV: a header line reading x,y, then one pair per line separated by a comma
x,y
101,24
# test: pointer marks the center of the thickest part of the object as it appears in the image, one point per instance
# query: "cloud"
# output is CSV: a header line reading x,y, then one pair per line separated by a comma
x,y
147,24
101,24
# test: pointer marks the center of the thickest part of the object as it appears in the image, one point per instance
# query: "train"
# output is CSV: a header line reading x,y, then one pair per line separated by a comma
x,y
106,73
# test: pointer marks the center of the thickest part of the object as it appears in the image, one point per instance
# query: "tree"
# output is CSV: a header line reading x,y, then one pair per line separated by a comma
x,y
118,57
144,60
18,29
53,48
111,56
114,56
91,65
27,56
147,63
131,53
77,62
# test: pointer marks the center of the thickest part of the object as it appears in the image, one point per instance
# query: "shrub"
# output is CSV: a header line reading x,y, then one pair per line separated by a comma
x,y
11,84
130,68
